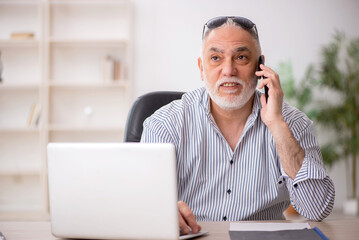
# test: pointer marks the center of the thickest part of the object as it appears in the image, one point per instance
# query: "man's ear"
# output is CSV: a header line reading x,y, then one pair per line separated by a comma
x,y
200,66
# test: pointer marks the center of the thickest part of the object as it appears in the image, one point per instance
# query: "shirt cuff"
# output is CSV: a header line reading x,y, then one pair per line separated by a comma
x,y
311,168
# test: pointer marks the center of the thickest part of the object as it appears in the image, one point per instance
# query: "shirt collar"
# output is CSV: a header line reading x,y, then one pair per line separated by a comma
x,y
257,106
205,100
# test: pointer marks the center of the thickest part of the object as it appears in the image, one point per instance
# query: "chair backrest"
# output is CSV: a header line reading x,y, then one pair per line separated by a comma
x,y
143,107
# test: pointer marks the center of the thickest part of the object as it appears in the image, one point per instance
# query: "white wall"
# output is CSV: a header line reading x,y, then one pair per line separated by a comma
x,y
168,37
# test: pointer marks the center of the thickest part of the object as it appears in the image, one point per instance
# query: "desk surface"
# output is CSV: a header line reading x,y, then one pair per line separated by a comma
x,y
340,229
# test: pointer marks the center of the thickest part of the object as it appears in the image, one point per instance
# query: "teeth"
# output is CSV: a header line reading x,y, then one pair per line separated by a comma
x,y
229,84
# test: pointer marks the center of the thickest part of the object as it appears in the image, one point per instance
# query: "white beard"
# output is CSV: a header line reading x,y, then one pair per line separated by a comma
x,y
231,101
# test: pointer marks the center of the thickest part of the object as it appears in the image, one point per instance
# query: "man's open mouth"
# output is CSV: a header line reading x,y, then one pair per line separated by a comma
x,y
233,84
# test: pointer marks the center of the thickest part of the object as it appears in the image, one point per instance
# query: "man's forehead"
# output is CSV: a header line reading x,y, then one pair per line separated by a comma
x,y
229,38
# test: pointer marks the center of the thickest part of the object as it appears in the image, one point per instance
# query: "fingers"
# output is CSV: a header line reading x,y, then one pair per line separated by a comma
x,y
271,81
187,220
264,82
266,69
263,100
271,78
184,228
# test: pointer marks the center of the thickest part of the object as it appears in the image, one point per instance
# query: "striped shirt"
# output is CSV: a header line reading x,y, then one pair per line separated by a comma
x,y
248,183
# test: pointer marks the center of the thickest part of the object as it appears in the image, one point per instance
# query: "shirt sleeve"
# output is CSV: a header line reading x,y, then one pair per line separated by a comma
x,y
312,191
154,132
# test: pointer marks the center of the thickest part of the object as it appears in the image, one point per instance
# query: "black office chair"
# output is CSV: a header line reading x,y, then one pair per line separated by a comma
x,y
143,107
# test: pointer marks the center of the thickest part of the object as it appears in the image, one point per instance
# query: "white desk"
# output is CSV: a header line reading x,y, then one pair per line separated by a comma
x,y
343,229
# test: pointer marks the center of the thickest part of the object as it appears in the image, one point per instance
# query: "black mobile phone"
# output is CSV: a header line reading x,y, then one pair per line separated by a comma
x,y
260,61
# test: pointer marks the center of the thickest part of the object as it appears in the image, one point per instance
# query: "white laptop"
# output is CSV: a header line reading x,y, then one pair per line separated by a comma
x,y
113,190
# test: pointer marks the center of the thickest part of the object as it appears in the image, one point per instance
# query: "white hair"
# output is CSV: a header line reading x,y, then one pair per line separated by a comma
x,y
231,23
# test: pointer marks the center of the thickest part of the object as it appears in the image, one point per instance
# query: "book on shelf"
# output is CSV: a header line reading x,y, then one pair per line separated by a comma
x,y
111,69
22,35
35,113
117,70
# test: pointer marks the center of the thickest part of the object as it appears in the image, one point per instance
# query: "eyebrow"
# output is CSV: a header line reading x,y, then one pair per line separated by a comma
x,y
239,49
214,49
242,49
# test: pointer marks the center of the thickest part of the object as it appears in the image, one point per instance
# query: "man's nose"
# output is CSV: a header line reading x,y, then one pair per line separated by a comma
x,y
229,68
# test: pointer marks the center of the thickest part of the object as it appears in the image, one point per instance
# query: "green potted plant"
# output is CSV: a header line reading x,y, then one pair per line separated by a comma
x,y
336,76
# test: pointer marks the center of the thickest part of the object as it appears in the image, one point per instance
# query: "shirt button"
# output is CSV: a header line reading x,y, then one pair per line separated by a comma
x,y
295,185
229,191
231,162
224,218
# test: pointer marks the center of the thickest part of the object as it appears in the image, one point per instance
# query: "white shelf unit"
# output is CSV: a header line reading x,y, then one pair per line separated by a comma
x,y
21,166
62,68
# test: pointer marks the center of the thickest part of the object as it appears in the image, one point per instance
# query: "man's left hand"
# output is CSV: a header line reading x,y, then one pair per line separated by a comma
x,y
272,110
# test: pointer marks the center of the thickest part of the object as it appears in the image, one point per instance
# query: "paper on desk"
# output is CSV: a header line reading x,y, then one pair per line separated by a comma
x,y
191,235
246,226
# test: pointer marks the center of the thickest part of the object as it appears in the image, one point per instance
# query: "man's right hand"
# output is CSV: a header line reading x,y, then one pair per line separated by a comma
x,y
187,220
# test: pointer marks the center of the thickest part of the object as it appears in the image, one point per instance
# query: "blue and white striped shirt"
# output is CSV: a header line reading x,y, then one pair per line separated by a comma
x,y
248,183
